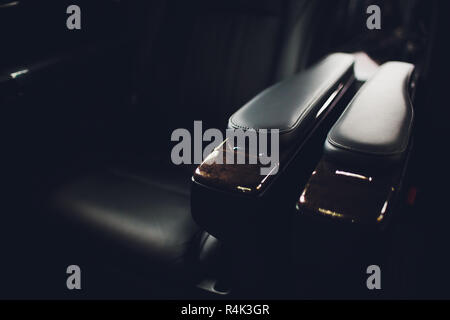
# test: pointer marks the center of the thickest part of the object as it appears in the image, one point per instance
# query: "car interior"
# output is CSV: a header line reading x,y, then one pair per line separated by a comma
x,y
89,115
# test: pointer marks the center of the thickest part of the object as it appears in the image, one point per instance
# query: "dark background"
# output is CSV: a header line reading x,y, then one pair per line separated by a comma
x,y
87,99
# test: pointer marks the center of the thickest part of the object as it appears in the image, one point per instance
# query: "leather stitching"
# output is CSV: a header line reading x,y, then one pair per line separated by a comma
x,y
317,97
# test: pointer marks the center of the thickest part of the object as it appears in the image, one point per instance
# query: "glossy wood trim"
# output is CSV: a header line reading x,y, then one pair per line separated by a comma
x,y
242,178
347,195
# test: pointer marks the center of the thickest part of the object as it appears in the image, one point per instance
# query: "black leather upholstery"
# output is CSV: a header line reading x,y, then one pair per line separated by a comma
x,y
149,213
202,56
375,128
289,105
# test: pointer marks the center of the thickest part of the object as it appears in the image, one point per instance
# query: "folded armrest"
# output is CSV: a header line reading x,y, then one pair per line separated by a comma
x,y
374,129
365,154
294,107
297,107
291,105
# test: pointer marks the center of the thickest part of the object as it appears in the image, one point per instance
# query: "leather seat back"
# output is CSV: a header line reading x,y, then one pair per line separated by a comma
x,y
208,58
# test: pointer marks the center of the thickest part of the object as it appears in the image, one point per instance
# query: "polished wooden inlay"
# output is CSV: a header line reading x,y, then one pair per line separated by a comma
x,y
348,195
243,178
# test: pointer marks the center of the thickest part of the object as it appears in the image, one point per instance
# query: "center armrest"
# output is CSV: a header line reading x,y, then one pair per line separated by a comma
x,y
375,128
289,106
298,108
295,107
359,179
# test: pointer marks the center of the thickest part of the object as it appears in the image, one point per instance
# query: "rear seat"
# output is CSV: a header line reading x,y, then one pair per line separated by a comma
x,y
227,53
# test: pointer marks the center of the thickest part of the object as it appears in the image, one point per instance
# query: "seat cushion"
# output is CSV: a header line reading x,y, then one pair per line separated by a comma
x,y
141,211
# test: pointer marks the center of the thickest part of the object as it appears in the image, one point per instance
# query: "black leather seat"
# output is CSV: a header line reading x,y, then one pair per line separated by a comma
x,y
208,57
375,129
147,212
